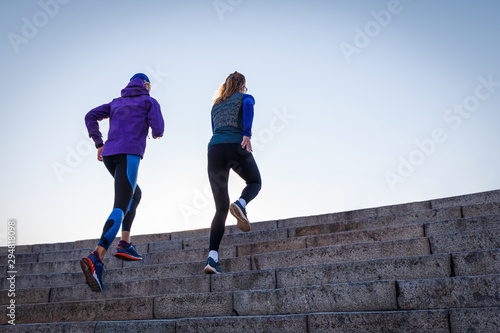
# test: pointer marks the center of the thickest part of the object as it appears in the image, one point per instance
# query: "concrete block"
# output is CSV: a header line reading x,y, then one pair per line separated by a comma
x,y
456,292
20,258
25,296
252,280
134,326
150,238
170,245
238,239
198,233
475,320
38,248
492,208
286,244
415,267
193,305
350,252
64,255
133,308
379,322
462,225
74,327
254,226
45,280
365,236
466,241
467,199
366,296
281,324
329,228
476,263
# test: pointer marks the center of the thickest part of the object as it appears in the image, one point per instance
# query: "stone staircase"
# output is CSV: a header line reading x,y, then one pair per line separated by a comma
x,y
431,266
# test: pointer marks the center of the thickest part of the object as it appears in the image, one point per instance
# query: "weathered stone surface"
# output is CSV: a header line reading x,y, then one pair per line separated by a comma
x,y
475,320
468,199
133,308
462,225
193,305
466,241
134,326
138,288
281,324
476,263
365,236
417,217
457,292
492,208
254,226
238,239
365,296
74,327
379,322
332,254
169,245
272,246
25,296
253,280
198,233
38,248
416,267
20,258
354,215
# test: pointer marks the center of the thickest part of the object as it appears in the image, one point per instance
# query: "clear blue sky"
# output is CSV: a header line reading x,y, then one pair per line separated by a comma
x,y
358,104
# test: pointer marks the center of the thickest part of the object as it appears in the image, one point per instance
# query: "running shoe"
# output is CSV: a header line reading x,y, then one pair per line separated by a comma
x,y
241,215
127,252
212,267
93,268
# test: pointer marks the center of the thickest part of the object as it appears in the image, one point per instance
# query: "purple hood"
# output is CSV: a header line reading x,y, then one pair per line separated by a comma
x,y
130,117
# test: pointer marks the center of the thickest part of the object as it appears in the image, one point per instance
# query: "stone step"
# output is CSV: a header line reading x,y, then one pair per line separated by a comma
x,y
403,268
350,252
384,295
71,264
483,203
462,225
415,321
487,239
378,269
339,253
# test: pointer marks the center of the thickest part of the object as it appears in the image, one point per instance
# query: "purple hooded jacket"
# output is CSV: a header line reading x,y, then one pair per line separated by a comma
x,y
130,117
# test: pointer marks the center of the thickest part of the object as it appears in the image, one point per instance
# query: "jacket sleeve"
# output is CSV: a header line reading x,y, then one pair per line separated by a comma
x,y
91,121
155,119
248,103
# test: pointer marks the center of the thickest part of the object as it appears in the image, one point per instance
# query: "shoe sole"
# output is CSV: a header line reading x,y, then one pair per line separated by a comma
x,y
127,257
210,270
91,279
242,222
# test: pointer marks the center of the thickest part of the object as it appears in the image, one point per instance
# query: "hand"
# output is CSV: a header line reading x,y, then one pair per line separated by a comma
x,y
99,154
246,144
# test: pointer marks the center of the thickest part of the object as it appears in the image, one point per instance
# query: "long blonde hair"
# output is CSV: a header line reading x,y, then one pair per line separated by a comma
x,y
234,82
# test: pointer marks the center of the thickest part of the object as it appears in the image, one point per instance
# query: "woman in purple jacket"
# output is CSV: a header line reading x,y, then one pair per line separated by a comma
x,y
130,117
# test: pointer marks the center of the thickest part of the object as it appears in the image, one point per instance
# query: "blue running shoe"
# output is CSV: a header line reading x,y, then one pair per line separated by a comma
x,y
93,268
127,252
241,215
212,267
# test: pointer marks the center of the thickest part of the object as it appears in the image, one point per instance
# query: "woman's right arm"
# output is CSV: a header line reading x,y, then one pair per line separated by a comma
x,y
91,121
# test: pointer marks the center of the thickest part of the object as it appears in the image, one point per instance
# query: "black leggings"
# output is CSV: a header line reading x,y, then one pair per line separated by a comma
x,y
124,170
221,159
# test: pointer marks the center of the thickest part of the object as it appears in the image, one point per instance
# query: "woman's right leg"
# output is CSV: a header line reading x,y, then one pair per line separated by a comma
x,y
218,175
